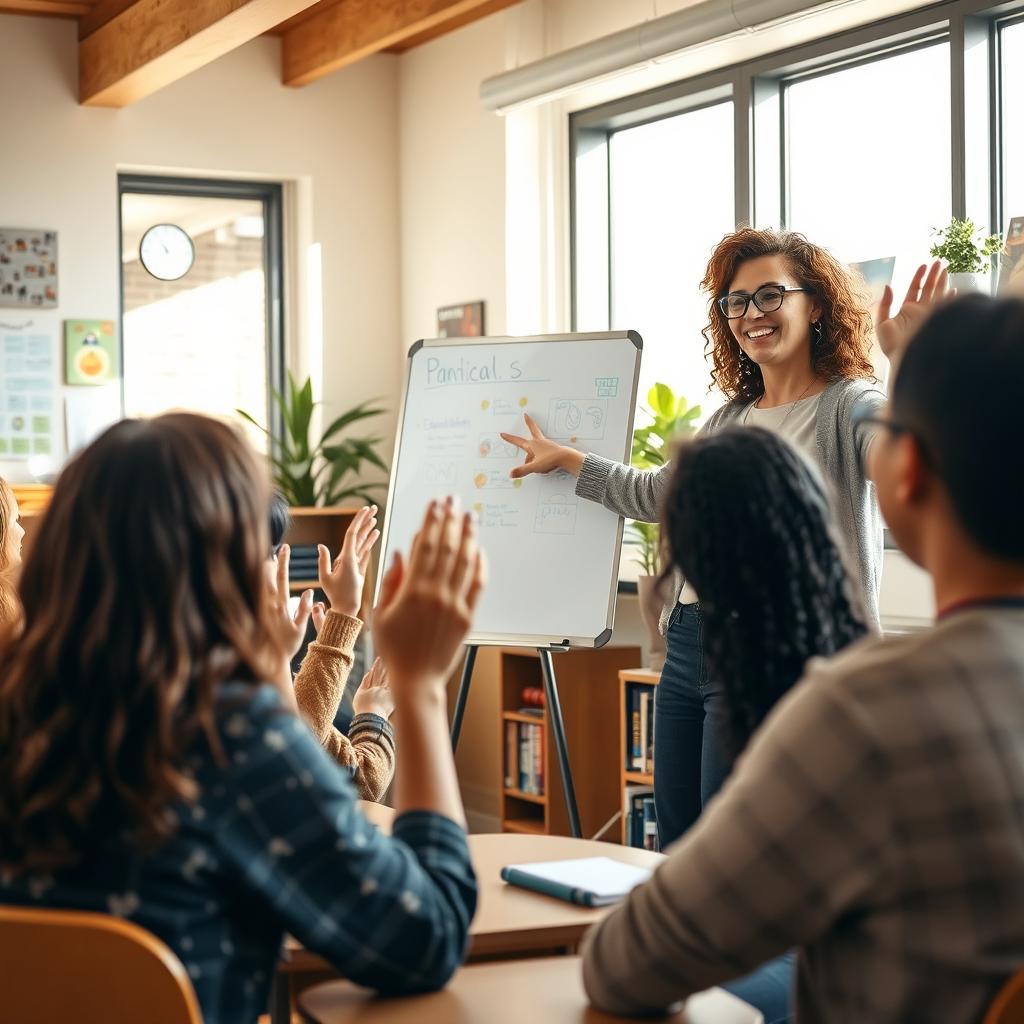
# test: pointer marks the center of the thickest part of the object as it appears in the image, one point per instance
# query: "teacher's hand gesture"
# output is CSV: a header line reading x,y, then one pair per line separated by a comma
x,y
929,288
542,454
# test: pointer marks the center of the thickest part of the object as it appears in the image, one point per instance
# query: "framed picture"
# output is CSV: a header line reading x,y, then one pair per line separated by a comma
x,y
28,268
463,321
90,352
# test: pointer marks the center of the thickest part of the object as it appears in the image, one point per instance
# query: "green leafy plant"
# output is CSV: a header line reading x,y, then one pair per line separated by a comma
x,y
965,247
323,473
671,417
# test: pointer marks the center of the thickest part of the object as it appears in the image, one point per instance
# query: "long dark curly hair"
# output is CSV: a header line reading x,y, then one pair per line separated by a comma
x,y
746,519
843,351
144,590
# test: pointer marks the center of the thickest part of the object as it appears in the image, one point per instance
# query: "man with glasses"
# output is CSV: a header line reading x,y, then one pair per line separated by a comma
x,y
875,822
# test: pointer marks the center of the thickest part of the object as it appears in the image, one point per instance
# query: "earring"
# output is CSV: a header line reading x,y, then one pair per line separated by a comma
x,y
816,330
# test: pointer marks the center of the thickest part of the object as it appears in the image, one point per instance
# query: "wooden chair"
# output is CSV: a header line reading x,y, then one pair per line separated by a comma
x,y
67,966
1008,1006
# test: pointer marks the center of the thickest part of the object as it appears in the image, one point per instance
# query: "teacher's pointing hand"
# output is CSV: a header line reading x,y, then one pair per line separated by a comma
x,y
542,454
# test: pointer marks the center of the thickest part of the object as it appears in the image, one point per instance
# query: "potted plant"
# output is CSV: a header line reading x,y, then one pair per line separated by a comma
x,y
327,472
671,417
968,254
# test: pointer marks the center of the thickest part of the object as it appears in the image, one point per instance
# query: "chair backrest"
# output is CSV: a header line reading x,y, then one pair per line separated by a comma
x,y
1008,1006
67,965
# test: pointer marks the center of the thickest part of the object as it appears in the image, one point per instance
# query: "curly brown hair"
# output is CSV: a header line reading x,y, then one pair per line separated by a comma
x,y
843,351
9,609
144,590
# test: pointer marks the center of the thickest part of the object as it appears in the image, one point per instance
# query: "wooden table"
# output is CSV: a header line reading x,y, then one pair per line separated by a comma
x,y
508,921
512,992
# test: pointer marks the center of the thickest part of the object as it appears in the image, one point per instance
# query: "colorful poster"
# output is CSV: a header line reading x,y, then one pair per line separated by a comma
x,y
90,352
27,389
28,268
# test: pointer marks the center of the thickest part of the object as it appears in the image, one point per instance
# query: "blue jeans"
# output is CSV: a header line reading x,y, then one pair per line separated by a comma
x,y
690,765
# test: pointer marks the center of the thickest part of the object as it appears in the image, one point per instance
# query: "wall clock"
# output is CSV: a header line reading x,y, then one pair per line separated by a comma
x,y
167,252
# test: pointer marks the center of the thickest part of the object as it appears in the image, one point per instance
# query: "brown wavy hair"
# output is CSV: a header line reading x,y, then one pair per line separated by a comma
x,y
843,350
9,608
143,591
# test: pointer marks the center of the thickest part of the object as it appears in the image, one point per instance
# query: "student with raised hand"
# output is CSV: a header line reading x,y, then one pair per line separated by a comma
x,y
151,765
874,819
368,750
790,341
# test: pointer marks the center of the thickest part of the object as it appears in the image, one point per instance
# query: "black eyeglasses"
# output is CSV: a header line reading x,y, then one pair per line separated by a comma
x,y
767,298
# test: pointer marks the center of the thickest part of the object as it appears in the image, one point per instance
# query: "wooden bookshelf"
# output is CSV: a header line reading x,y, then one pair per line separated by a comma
x,y
629,678
588,693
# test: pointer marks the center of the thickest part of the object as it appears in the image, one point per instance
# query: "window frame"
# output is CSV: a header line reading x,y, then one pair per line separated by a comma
x,y
270,195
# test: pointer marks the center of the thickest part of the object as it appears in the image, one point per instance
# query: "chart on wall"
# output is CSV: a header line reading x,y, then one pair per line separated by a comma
x,y
28,268
552,556
28,391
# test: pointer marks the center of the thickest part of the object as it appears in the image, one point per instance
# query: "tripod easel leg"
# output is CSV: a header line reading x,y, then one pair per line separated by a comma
x,y
460,700
561,747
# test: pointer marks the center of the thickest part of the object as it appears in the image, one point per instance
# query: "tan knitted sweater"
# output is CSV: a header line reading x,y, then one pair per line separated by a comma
x,y
368,751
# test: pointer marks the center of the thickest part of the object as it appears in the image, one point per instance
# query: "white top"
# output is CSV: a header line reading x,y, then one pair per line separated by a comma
x,y
796,422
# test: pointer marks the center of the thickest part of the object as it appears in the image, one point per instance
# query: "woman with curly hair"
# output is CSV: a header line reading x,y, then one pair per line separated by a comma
x,y
789,338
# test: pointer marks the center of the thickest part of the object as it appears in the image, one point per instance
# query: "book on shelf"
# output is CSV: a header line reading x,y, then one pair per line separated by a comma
x,y
645,700
633,812
650,825
524,757
639,727
511,756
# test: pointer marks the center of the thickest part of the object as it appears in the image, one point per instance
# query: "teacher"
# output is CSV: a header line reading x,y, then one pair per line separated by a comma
x,y
789,338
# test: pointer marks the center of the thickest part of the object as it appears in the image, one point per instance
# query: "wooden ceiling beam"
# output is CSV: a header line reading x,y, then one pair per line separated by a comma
x,y
65,8
152,43
349,31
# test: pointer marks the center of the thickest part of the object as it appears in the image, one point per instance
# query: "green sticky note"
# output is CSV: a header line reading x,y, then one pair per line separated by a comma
x,y
20,446
40,445
40,424
3,445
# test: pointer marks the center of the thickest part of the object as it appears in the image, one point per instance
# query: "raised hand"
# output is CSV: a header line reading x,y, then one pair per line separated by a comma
x,y
374,697
342,579
928,288
427,606
285,631
542,454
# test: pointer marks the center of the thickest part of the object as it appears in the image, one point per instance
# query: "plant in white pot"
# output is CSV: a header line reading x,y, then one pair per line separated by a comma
x,y
968,254
671,417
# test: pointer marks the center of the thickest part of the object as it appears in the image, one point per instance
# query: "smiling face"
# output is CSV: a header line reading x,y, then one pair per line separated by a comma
x,y
783,336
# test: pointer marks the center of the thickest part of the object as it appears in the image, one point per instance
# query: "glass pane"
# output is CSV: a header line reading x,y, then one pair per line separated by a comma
x,y
1012,38
852,200
199,342
672,200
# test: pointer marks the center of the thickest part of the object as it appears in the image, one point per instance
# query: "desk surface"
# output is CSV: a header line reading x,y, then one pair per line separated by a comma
x,y
512,992
511,920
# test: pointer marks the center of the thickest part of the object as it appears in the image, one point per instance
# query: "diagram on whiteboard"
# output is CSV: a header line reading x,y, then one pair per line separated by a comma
x,y
581,418
538,535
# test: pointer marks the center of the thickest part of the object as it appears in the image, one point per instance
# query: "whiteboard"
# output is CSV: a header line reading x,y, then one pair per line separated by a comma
x,y
553,558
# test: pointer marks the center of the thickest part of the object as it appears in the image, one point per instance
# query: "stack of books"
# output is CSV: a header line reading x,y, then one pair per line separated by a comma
x,y
304,563
640,728
524,757
641,819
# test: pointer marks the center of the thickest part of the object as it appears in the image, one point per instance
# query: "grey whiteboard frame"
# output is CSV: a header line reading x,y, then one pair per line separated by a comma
x,y
552,641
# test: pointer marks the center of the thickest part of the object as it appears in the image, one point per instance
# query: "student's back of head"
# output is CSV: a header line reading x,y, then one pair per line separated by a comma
x,y
143,591
958,393
746,519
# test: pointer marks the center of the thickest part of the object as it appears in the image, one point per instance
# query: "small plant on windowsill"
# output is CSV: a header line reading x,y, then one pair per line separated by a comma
x,y
968,254
672,417
327,472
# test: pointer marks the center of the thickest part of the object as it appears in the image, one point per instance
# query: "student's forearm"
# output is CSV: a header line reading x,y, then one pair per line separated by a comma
x,y
425,778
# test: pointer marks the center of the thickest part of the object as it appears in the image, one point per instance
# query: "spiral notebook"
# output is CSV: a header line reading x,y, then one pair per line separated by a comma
x,y
590,881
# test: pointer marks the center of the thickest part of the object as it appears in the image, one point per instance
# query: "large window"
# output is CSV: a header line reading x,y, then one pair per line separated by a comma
x,y
672,199
1012,92
201,283
845,189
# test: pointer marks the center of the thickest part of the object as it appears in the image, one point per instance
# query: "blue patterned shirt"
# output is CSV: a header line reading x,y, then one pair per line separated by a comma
x,y
275,842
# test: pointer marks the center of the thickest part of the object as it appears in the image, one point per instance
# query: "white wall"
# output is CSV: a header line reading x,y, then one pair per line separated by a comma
x,y
336,141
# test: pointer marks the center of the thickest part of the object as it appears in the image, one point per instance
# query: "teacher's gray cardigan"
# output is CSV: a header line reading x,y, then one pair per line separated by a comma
x,y
842,445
